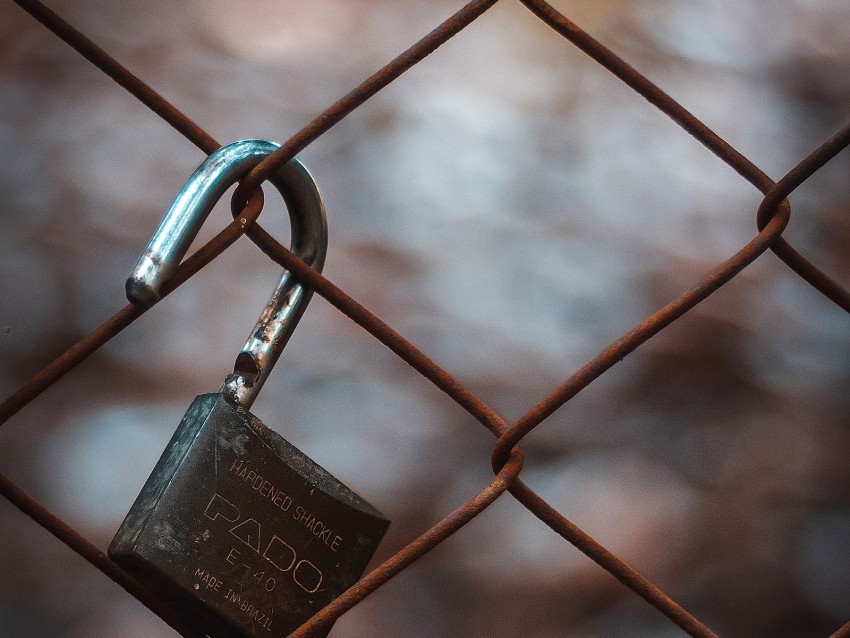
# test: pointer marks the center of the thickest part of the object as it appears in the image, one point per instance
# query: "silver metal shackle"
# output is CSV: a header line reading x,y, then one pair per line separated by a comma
x,y
309,239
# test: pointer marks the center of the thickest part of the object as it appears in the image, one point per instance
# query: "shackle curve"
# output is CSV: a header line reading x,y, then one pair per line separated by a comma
x,y
191,207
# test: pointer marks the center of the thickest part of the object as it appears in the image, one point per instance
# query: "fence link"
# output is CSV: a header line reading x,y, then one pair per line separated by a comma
x,y
712,483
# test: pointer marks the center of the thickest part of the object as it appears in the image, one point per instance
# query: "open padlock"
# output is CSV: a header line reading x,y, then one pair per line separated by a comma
x,y
239,530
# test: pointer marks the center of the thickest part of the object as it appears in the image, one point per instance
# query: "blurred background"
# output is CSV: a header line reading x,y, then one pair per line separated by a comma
x,y
511,208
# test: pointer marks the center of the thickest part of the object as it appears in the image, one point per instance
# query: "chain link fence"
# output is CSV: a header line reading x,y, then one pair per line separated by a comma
x,y
670,376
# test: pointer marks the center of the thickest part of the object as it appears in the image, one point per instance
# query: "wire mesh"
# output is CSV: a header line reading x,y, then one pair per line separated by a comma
x,y
771,218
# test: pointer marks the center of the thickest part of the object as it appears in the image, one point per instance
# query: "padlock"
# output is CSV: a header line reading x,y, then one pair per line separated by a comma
x,y
241,532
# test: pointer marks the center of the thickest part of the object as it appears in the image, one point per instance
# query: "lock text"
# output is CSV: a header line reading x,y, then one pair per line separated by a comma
x,y
210,581
276,550
317,527
253,612
261,485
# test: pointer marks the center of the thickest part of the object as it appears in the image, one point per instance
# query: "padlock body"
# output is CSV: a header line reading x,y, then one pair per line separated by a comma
x,y
242,532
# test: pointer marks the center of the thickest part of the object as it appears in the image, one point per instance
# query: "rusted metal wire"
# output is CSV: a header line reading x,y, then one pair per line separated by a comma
x,y
843,632
80,351
79,544
106,63
644,87
374,325
638,335
796,176
414,550
708,138
477,408
630,577
360,94
773,216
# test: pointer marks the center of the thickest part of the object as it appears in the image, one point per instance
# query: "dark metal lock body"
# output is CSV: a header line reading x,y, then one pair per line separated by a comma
x,y
243,531
239,530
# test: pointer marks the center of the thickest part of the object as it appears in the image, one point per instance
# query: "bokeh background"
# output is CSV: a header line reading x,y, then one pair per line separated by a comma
x,y
509,207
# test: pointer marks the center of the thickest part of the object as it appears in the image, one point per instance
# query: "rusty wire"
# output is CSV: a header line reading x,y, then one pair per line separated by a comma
x,y
772,217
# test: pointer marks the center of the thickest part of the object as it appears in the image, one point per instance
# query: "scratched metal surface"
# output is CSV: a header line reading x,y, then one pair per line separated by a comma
x,y
510,208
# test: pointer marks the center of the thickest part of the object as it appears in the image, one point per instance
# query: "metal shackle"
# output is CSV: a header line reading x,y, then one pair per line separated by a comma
x,y
309,239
